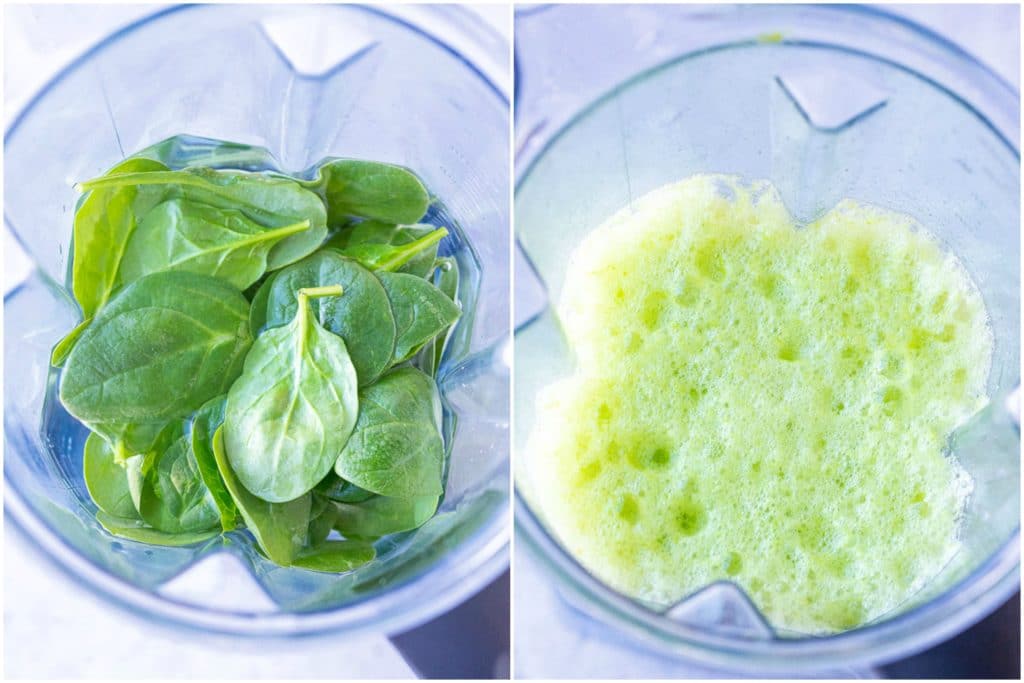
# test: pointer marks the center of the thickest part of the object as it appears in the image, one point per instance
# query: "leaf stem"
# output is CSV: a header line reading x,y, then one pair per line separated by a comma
x,y
283,231
408,251
307,293
320,292
151,178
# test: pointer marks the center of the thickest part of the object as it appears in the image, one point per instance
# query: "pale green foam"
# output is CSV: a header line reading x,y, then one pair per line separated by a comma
x,y
762,403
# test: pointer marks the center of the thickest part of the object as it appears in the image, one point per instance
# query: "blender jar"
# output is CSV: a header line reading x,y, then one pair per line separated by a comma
x,y
826,103
416,86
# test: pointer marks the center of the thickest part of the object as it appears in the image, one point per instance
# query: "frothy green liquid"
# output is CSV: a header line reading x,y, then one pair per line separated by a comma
x,y
763,403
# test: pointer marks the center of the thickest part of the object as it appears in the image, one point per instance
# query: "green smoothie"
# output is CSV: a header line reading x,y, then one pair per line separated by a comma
x,y
762,402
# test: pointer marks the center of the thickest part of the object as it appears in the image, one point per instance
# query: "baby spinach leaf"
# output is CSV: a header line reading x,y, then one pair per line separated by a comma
x,y
396,447
191,150
292,409
106,480
337,489
135,471
375,232
136,438
362,317
271,201
179,234
421,311
448,282
258,307
279,528
104,222
63,348
136,530
335,556
382,515
161,348
393,256
322,516
369,189
174,498
204,423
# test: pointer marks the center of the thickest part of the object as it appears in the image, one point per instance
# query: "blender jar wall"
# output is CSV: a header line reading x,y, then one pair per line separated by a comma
x,y
827,103
394,86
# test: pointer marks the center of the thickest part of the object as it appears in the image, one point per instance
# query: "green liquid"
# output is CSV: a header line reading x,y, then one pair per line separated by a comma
x,y
762,403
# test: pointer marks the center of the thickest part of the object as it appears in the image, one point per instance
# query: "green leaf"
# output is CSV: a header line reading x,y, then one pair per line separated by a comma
x,y
104,221
279,528
258,307
204,423
181,235
141,438
374,232
270,200
106,480
396,447
322,516
392,257
292,409
382,515
362,317
135,472
335,556
448,282
63,348
369,189
174,497
421,310
135,530
161,348
337,489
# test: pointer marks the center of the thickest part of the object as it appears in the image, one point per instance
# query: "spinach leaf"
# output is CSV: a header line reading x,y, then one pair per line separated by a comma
x,y
204,423
279,528
191,150
421,310
271,201
106,480
161,348
382,515
179,234
258,307
335,556
322,516
396,447
135,468
174,498
135,530
391,257
104,222
136,438
291,411
362,317
369,189
63,348
375,232
448,282
337,489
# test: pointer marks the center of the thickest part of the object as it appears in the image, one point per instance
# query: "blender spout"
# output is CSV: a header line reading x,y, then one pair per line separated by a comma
x,y
724,608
